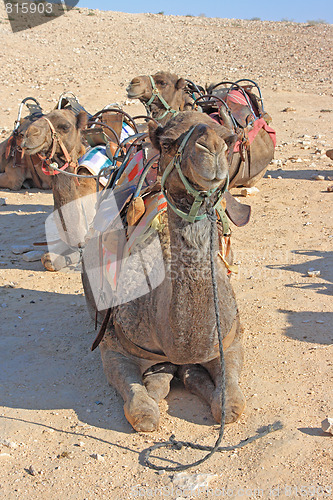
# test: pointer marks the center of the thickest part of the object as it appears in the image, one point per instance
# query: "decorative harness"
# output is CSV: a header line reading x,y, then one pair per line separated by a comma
x,y
47,166
156,93
199,196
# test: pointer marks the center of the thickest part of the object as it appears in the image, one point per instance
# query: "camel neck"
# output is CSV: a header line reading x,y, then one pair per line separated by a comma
x,y
191,308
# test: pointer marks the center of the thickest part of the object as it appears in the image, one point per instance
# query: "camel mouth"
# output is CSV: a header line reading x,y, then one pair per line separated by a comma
x,y
32,150
133,95
207,183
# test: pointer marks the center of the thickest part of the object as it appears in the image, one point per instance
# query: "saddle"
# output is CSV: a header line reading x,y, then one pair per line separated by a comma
x,y
236,106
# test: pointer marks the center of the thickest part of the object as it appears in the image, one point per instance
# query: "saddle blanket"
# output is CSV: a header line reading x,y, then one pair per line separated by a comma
x,y
95,160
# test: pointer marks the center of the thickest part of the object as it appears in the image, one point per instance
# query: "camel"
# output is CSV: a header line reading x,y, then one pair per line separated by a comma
x,y
16,169
66,190
74,198
249,163
171,330
162,94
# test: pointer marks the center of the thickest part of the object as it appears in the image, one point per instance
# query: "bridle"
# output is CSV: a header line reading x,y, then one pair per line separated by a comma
x,y
199,196
156,93
46,165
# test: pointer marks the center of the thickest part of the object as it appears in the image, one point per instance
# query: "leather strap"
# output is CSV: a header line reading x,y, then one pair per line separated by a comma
x,y
35,177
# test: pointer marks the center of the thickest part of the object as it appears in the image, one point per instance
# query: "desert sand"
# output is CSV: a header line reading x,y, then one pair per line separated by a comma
x,y
63,433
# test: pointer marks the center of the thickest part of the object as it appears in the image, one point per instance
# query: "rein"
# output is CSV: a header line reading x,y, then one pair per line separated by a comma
x,y
156,93
174,444
199,196
47,160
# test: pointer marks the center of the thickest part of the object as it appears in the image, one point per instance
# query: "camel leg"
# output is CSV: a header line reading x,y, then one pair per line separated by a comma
x,y
157,380
11,181
234,398
54,262
124,375
197,380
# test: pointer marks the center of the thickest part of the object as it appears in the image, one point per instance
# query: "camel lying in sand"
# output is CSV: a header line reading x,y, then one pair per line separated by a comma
x,y
249,162
172,329
67,191
16,169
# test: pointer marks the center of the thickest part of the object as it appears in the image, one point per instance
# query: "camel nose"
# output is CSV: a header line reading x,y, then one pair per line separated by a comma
x,y
208,142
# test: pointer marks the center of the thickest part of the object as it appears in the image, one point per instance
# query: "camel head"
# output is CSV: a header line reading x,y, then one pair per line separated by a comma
x,y
167,85
38,137
205,149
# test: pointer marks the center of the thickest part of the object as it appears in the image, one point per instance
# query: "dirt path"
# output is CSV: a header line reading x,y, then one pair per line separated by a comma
x,y
57,410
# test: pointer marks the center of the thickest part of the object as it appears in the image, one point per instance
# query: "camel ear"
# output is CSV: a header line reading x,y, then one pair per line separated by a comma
x,y
180,84
81,120
230,142
155,131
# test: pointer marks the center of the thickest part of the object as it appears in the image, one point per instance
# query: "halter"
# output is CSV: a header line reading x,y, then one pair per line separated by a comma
x,y
47,160
156,93
199,196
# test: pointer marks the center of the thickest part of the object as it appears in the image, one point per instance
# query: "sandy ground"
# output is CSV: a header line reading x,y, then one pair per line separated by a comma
x,y
57,410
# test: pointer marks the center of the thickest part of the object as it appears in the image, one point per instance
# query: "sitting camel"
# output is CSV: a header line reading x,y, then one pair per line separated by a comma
x,y
164,91
15,168
162,94
57,137
172,329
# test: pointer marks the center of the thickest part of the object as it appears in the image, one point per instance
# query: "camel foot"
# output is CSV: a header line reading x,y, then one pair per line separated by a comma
x,y
234,405
142,412
54,262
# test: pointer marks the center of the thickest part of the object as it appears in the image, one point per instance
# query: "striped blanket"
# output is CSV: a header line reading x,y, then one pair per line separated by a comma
x,y
96,158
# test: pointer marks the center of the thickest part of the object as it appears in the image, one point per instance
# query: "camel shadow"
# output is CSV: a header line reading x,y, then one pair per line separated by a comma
x,y
321,261
29,209
309,326
305,174
46,363
313,431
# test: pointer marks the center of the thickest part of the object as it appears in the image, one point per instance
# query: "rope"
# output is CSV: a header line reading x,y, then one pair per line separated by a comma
x,y
178,445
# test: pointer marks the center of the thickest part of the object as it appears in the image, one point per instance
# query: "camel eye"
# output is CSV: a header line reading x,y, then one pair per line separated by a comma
x,y
64,127
162,84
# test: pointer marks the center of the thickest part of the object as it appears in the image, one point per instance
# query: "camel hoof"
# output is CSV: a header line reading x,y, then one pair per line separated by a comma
x,y
234,406
47,262
143,414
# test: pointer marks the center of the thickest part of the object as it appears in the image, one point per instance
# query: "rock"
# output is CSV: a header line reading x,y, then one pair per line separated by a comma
x,y
96,456
330,188
32,470
19,249
249,191
192,482
329,153
8,443
3,201
33,256
317,177
288,109
327,425
313,273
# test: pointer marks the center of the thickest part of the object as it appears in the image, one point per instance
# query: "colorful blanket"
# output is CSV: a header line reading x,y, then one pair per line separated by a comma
x,y
95,160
